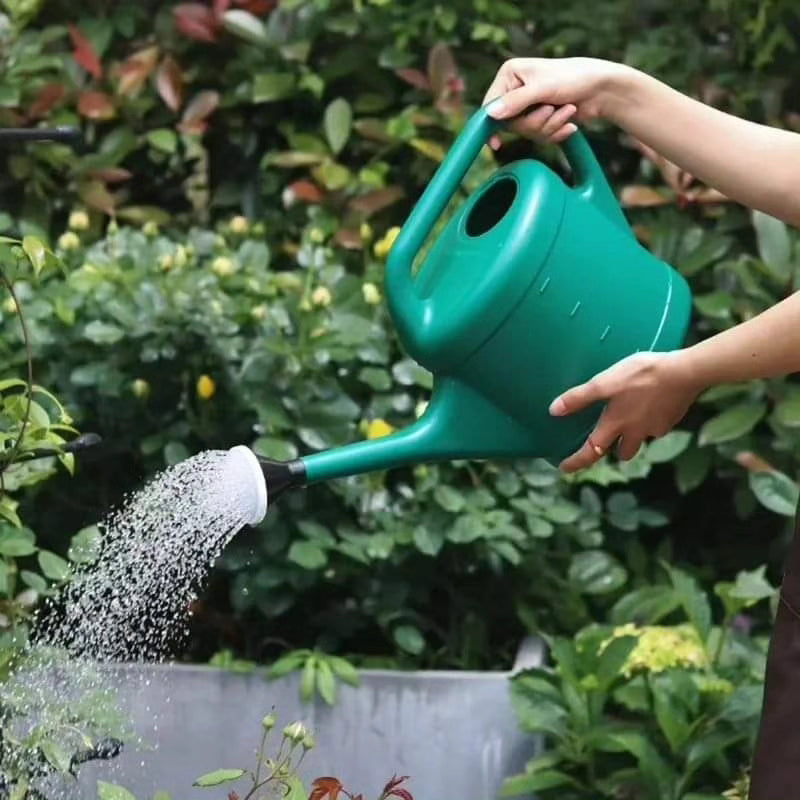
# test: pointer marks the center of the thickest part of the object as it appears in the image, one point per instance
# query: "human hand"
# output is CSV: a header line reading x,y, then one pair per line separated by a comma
x,y
646,395
562,89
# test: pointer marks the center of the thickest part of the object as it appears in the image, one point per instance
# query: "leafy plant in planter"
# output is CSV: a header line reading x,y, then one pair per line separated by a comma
x,y
663,712
274,775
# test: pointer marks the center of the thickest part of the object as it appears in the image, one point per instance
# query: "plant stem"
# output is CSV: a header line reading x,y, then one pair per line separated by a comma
x,y
29,358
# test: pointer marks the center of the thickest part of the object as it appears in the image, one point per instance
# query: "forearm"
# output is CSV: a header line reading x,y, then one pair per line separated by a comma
x,y
765,346
753,164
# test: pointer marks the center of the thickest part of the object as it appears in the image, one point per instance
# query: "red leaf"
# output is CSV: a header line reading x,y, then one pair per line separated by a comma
x,y
233,796
196,21
95,195
403,794
308,191
169,82
95,105
323,788
110,174
348,239
257,7
220,7
135,70
84,53
391,789
415,78
48,97
376,200
202,105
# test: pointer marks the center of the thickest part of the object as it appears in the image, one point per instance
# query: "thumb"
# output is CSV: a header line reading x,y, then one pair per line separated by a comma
x,y
514,102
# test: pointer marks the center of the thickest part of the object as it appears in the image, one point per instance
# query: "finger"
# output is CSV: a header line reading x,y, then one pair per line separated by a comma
x,y
558,119
578,397
495,143
599,442
564,133
629,446
515,101
505,80
531,124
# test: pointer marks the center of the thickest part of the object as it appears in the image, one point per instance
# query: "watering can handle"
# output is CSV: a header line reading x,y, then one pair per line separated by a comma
x,y
591,184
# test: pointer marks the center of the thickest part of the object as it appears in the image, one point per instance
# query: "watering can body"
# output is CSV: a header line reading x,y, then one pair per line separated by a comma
x,y
533,286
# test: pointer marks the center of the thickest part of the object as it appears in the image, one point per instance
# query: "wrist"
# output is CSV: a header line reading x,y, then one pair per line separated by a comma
x,y
693,368
620,91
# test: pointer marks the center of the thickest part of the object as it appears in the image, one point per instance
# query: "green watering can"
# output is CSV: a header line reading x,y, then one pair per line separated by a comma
x,y
532,287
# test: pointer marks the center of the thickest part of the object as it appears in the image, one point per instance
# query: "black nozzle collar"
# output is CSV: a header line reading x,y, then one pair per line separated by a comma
x,y
282,475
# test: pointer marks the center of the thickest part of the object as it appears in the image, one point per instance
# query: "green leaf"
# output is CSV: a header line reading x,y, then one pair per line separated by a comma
x,y
671,719
428,541
33,580
331,175
693,599
732,423
16,543
787,411
449,498
53,566
103,333
36,252
536,782
408,638
163,139
645,605
279,449
245,25
612,660
326,683
344,670
271,86
668,447
774,244
377,379
217,777
56,755
307,555
85,545
307,679
175,452
287,663
691,468
775,491
110,791
596,572
338,123
750,587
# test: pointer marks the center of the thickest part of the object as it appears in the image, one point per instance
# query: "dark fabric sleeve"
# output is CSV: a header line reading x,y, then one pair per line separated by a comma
x,y
775,773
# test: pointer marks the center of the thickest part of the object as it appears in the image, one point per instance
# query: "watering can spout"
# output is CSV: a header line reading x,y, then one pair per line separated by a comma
x,y
458,423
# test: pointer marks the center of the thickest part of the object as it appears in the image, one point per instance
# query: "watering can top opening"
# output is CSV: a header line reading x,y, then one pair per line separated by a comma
x,y
491,250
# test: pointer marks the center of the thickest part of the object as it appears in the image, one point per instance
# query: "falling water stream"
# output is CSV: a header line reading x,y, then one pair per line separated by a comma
x,y
131,604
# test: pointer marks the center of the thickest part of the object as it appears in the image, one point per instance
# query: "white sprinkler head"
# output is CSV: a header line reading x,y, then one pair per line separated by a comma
x,y
243,463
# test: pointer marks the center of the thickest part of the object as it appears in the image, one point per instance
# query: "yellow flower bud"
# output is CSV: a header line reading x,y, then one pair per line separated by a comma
x,y
79,220
308,742
166,262
140,388
321,296
150,228
420,408
378,428
258,312
205,387
384,245
9,306
223,266
239,224
366,232
181,256
69,241
372,295
316,235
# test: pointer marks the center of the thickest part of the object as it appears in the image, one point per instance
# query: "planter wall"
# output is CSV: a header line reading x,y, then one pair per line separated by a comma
x,y
453,733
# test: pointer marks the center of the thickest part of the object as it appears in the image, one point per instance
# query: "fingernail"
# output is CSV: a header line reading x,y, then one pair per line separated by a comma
x,y
557,408
496,108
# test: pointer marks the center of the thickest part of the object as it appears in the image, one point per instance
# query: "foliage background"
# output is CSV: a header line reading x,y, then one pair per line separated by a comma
x,y
244,166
